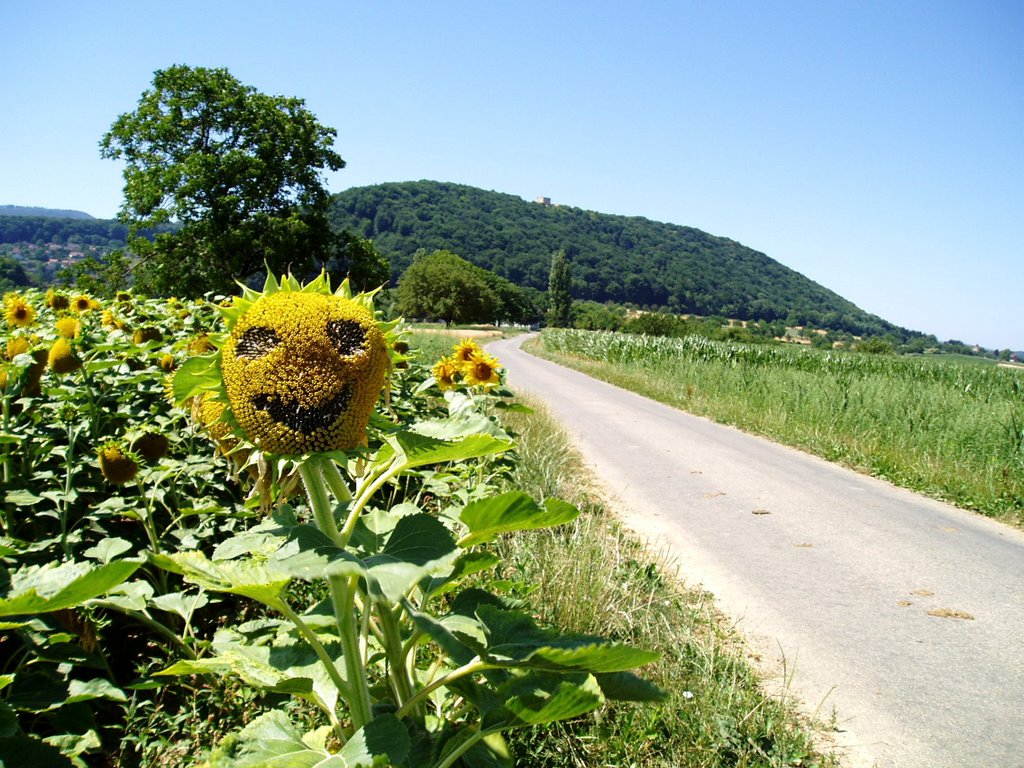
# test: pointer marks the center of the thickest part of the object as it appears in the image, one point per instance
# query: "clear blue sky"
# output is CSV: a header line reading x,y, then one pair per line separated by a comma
x,y
876,147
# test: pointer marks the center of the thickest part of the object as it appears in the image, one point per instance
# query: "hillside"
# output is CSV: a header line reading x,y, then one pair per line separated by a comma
x,y
614,258
55,213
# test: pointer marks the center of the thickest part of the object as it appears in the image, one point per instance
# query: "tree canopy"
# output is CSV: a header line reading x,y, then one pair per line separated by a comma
x,y
239,170
443,286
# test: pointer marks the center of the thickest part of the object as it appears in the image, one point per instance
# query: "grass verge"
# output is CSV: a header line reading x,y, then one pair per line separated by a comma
x,y
593,576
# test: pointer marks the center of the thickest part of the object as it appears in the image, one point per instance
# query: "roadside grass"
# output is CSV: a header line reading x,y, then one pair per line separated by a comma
x,y
952,431
593,576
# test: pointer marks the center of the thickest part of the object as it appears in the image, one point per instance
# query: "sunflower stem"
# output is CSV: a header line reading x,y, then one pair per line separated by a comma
x,y
342,595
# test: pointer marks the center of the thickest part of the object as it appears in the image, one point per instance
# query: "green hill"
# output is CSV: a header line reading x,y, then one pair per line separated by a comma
x,y
624,259
55,213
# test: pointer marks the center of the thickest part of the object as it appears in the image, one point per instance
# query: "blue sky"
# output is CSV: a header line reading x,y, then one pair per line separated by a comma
x,y
876,147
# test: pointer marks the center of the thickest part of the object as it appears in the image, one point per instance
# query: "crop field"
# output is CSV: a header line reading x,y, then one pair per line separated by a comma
x,y
207,558
953,431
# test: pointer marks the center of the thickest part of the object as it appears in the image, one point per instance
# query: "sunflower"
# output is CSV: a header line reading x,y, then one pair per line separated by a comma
x,y
117,465
17,345
207,410
481,370
301,369
446,372
167,362
465,350
62,358
56,301
83,303
68,327
145,335
151,446
200,345
19,313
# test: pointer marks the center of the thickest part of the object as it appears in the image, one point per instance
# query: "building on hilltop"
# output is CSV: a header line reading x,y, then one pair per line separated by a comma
x,y
543,201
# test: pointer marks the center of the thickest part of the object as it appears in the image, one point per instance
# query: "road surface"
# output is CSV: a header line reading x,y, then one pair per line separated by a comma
x,y
902,615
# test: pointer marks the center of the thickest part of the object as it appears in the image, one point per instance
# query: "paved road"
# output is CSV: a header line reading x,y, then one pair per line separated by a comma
x,y
904,615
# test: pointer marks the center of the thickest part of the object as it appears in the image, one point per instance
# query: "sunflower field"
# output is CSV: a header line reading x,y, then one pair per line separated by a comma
x,y
257,531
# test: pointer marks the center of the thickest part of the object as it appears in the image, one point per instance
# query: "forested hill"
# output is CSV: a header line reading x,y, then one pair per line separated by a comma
x,y
56,213
613,258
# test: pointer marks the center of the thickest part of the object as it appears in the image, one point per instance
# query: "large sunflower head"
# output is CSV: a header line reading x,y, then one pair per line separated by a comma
x,y
302,366
18,312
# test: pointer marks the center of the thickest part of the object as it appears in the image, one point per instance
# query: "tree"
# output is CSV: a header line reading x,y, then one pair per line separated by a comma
x,y
444,286
238,170
12,275
355,257
559,296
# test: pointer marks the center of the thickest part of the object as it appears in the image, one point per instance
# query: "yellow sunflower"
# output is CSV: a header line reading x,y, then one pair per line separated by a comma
x,y
84,303
69,327
19,313
62,358
17,345
465,350
481,370
56,301
446,372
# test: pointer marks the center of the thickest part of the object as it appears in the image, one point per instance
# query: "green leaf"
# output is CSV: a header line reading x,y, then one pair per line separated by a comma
x,y
26,752
459,426
184,604
51,588
489,752
130,596
310,555
514,640
107,549
625,686
382,741
285,665
419,547
420,450
97,688
261,580
466,565
539,698
512,511
22,498
196,376
272,741
269,741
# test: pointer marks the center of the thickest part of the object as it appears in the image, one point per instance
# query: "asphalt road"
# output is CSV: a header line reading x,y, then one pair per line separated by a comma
x,y
902,615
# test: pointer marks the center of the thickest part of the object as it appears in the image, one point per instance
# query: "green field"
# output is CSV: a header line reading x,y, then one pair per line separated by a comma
x,y
953,431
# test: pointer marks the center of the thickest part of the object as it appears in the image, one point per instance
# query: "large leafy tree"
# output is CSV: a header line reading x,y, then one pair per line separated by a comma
x,y
443,286
239,171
